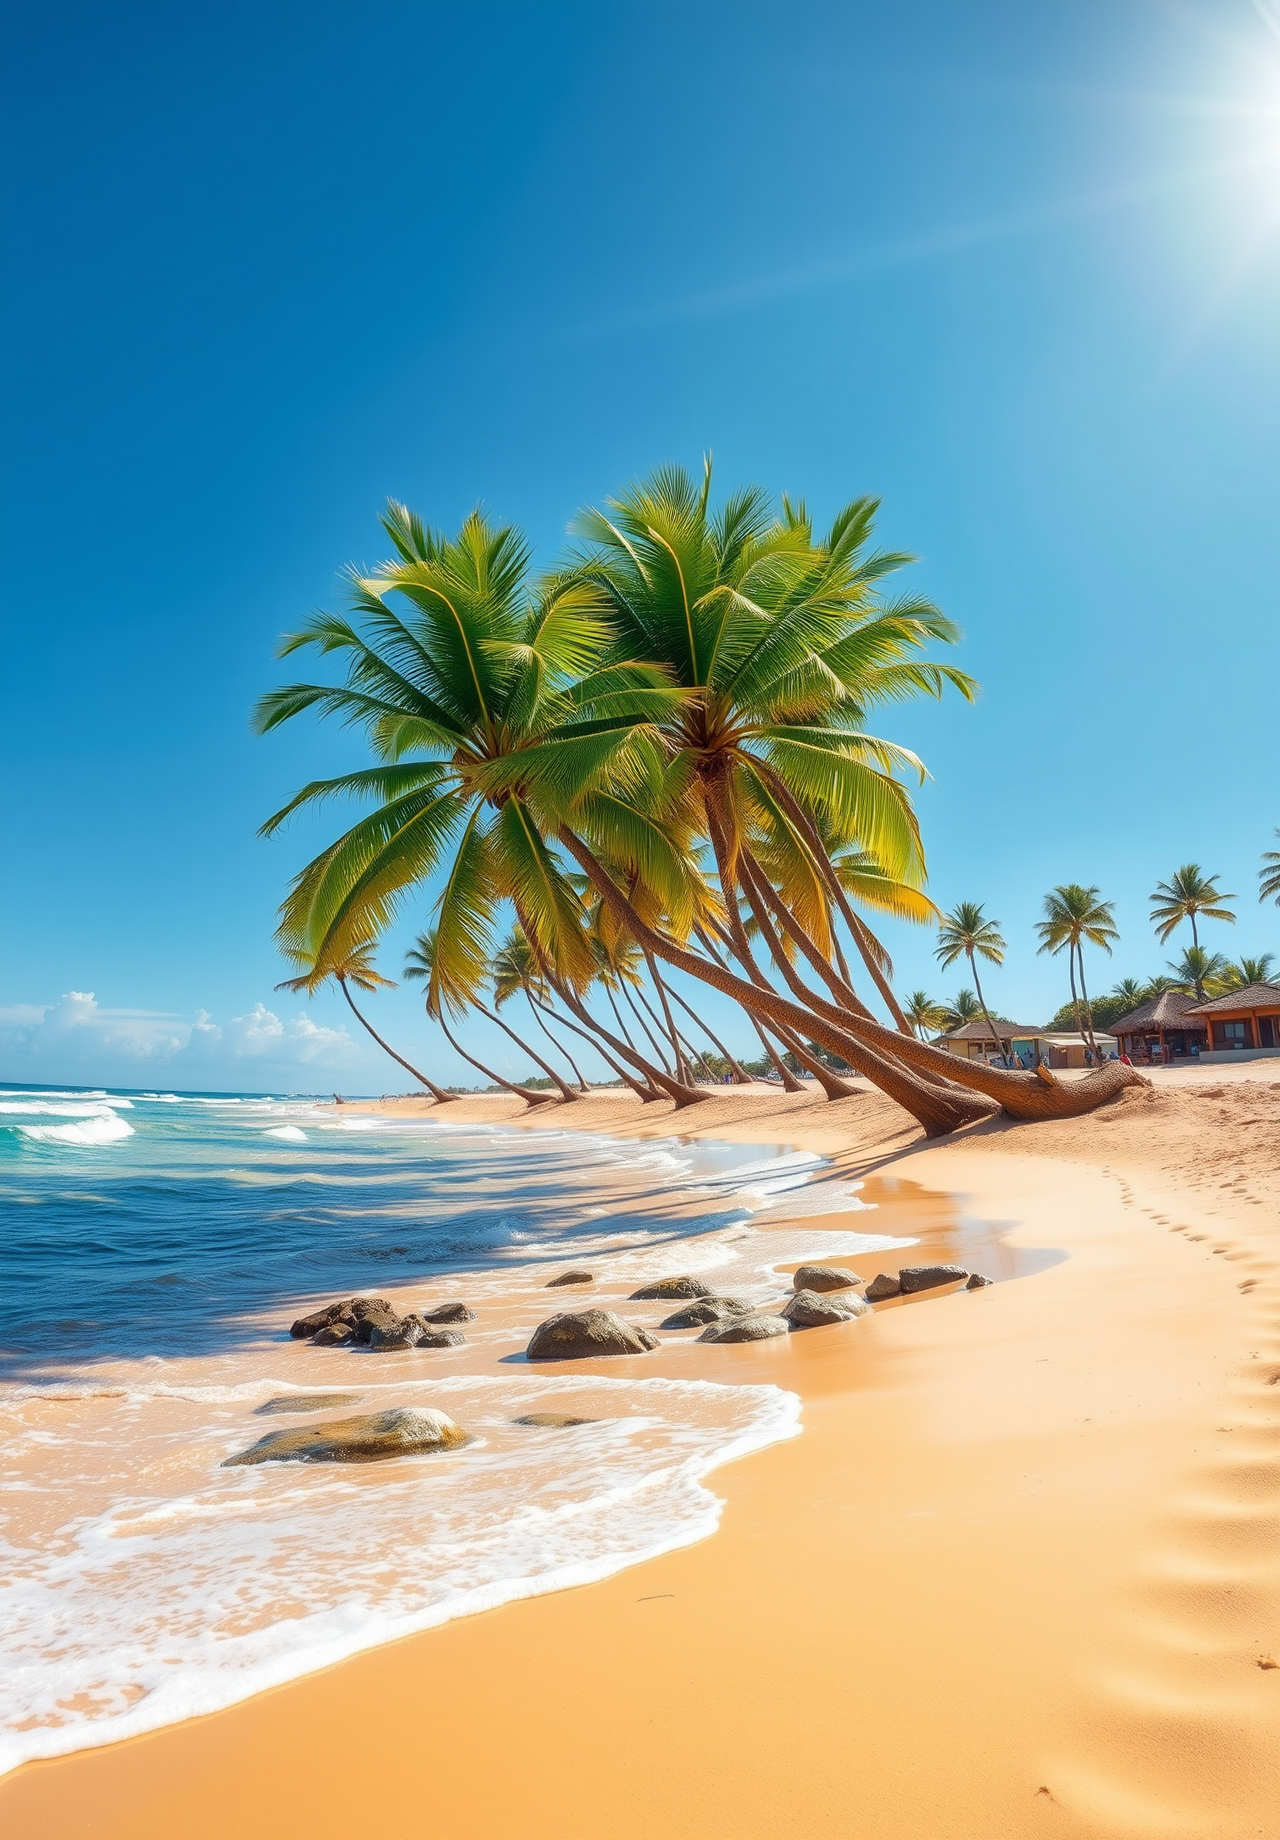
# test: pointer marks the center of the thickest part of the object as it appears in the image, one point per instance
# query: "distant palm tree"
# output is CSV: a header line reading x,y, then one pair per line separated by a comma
x,y
355,966
425,961
1269,874
964,1010
1248,971
1072,915
1202,970
1188,892
967,932
925,1015
1130,991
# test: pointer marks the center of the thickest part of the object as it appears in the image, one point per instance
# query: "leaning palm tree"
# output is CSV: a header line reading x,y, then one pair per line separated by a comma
x,y
355,966
1200,971
428,961
1073,915
966,933
1269,875
962,1012
515,968
925,1015
1188,892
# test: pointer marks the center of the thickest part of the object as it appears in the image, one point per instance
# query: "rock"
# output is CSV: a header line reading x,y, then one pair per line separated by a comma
x,y
571,1277
976,1281
552,1421
744,1329
824,1278
366,1438
307,1326
882,1286
412,1332
306,1402
369,1313
670,1288
448,1313
441,1338
815,1309
708,1310
927,1277
334,1334
578,1335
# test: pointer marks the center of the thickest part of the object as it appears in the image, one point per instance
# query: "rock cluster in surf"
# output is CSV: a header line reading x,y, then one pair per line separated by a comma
x,y
373,1323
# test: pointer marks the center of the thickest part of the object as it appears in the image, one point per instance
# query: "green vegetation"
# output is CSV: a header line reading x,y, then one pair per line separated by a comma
x,y
1187,893
967,932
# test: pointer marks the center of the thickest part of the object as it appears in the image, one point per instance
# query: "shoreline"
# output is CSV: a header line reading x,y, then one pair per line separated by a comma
x,y
969,1571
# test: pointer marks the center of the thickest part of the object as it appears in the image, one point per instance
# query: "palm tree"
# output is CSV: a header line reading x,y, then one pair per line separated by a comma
x,y
426,961
1269,874
516,969
965,932
1074,914
1202,971
1188,892
924,1014
1131,992
511,722
1248,971
355,966
962,1012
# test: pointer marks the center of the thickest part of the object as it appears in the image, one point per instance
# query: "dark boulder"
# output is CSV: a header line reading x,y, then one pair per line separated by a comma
x,y
368,1314
448,1313
552,1421
744,1329
305,1402
882,1286
307,1326
670,1289
815,1309
976,1281
579,1335
335,1334
915,1278
571,1277
367,1438
412,1332
824,1278
708,1310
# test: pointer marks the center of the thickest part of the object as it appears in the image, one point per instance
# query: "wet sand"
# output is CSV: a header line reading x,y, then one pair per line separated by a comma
x,y
1019,1575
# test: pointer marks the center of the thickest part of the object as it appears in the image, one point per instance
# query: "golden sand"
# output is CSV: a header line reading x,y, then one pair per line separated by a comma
x,y
1020,1575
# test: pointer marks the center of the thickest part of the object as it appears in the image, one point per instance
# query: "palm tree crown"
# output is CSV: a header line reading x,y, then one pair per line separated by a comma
x,y
1269,874
1188,892
924,1013
1202,971
966,932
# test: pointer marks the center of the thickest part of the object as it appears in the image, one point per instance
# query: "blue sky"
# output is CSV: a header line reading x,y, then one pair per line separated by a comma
x,y
1015,269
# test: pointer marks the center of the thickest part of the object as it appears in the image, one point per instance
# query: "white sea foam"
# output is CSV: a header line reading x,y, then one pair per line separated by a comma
x,y
102,1128
174,1602
287,1133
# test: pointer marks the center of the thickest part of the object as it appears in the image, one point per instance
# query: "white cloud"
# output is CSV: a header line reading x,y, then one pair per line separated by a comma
x,y
79,1040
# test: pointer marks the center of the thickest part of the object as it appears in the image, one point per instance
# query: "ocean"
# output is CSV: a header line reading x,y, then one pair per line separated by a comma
x,y
156,1247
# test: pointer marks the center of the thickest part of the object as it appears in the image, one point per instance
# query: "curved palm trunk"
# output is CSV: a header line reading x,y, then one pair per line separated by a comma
x,y
682,1071
672,1089
973,966
646,1094
618,1017
789,1081
566,1091
437,1093
739,1073
890,1061
1088,1012
496,1079
557,1045
653,1041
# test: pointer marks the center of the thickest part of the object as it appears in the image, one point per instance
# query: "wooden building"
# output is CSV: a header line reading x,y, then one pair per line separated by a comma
x,y
1245,1021
1162,1030
1024,1044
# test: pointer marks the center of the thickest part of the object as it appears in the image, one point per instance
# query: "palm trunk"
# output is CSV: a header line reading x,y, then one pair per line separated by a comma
x,y
789,1081
646,1094
566,1091
437,1093
557,1045
496,1079
652,1038
682,1071
740,1075
973,966
618,1017
1088,1013
673,1089
895,1063
1195,937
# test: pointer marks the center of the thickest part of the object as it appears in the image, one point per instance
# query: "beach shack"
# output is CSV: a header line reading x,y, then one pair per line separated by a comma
x,y
1163,1029
1242,1024
1025,1043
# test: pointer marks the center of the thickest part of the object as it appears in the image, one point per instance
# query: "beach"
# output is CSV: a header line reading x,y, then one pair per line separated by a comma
x,y
1019,1573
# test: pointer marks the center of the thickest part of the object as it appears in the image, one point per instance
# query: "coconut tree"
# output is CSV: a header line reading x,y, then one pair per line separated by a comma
x,y
966,933
1269,875
925,1015
355,966
1248,971
962,1012
1188,893
515,969
1131,992
427,962
1073,915
1200,971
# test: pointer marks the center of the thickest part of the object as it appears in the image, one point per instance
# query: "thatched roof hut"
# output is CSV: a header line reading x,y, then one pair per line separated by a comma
x,y
1166,1022
1244,1019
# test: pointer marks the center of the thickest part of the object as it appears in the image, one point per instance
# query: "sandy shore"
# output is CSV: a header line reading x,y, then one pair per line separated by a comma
x,y
1020,1575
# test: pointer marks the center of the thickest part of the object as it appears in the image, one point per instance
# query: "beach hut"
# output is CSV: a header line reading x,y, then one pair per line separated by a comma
x,y
1026,1043
1162,1029
1242,1022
